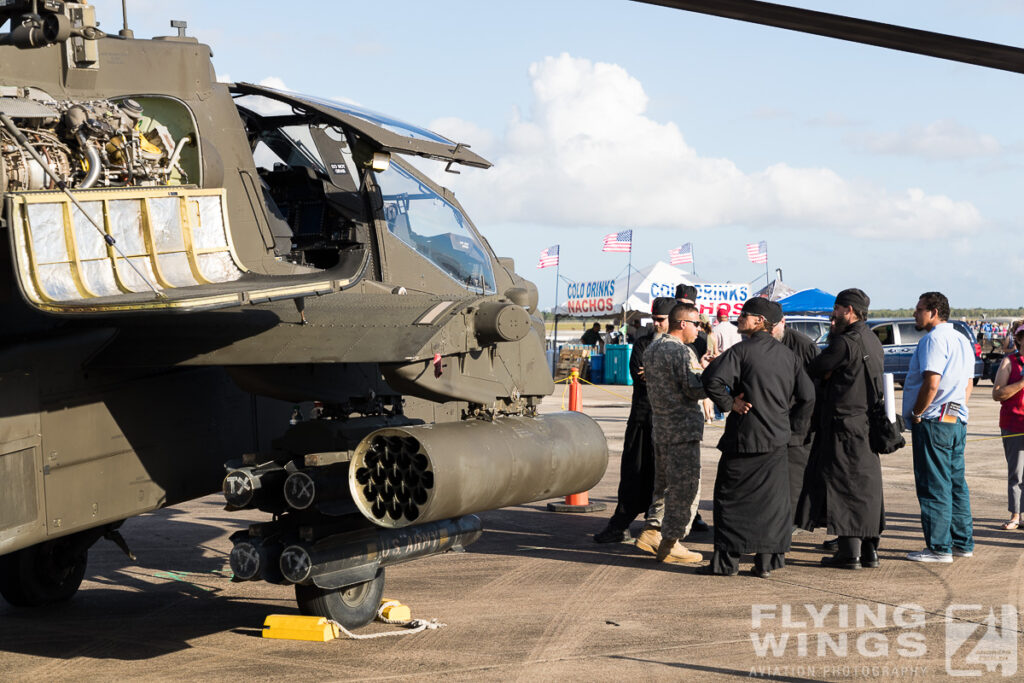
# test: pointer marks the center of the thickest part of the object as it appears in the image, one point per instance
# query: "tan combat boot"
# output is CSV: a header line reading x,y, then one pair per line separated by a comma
x,y
649,540
671,550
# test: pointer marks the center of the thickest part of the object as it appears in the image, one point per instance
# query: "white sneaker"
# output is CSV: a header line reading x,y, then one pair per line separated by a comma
x,y
963,553
927,555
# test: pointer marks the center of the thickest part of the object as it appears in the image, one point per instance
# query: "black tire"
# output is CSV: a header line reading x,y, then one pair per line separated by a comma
x,y
43,574
352,606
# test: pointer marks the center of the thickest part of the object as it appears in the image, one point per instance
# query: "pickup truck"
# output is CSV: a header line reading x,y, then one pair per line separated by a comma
x,y
899,340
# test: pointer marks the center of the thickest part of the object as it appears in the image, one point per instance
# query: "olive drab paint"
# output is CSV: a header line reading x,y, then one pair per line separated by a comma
x,y
191,265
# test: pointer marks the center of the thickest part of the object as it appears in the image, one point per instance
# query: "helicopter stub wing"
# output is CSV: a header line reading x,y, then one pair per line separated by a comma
x,y
341,328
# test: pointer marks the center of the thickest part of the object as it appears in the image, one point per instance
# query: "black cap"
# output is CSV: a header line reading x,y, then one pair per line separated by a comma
x,y
688,293
854,297
663,305
769,310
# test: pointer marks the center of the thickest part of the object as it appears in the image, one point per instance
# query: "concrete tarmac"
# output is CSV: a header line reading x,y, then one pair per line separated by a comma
x,y
536,599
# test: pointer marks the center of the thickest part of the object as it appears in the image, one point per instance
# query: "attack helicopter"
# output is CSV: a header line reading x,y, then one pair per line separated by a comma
x,y
188,262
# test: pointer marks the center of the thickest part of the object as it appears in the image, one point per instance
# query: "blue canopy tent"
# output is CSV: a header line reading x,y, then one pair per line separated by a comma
x,y
808,301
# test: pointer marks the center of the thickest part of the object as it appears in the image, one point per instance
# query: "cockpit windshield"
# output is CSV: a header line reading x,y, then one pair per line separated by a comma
x,y
434,227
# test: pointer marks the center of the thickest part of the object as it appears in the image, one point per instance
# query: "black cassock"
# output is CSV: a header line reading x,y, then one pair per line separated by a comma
x,y
843,481
752,507
636,470
799,450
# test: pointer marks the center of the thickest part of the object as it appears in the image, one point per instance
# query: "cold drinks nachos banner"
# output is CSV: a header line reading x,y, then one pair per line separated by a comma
x,y
711,298
592,298
607,297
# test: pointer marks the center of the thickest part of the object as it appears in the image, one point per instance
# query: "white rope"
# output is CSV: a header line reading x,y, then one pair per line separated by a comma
x,y
413,625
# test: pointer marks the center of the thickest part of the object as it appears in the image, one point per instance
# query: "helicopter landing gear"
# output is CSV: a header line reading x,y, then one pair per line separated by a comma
x,y
351,606
44,573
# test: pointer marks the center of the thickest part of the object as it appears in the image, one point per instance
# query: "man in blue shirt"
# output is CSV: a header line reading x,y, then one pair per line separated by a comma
x,y
935,396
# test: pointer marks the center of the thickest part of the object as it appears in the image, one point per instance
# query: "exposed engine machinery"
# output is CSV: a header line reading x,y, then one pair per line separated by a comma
x,y
96,143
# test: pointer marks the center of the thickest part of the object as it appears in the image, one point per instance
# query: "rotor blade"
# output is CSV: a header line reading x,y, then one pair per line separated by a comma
x,y
955,48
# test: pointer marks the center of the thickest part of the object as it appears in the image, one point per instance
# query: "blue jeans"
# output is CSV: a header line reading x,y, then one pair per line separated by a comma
x,y
941,487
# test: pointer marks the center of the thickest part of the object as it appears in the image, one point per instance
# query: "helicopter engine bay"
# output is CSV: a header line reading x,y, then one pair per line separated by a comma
x,y
95,143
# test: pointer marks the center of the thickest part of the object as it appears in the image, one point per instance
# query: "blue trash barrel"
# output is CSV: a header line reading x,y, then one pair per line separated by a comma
x,y
616,364
596,368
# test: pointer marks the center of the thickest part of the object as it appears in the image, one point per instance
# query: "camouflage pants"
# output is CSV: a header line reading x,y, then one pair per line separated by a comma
x,y
676,487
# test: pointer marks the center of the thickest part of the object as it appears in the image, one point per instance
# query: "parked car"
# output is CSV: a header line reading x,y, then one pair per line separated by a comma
x,y
814,326
899,340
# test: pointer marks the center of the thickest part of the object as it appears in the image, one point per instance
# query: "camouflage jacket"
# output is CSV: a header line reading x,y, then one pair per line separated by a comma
x,y
673,388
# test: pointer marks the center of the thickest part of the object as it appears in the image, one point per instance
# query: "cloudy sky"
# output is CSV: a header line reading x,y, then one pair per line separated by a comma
x,y
858,165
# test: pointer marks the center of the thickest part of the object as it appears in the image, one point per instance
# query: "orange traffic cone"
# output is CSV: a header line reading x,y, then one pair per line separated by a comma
x,y
576,502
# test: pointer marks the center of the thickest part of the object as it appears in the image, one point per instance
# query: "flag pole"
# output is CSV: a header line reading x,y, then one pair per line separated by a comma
x,y
629,272
766,280
554,342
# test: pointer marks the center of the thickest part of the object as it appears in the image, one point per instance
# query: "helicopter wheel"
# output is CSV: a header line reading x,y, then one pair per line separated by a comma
x,y
44,573
351,606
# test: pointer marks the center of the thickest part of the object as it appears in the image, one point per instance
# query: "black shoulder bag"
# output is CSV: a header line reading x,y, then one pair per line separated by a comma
x,y
883,436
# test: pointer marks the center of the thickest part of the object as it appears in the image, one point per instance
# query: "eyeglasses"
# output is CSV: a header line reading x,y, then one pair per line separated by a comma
x,y
695,323
660,319
750,315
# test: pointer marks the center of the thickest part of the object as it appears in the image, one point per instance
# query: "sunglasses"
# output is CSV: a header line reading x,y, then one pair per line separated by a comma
x,y
660,318
695,323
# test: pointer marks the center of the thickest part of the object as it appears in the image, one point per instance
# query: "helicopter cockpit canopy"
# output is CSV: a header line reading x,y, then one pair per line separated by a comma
x,y
389,134
299,139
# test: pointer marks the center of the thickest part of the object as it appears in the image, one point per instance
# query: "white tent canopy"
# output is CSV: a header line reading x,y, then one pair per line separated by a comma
x,y
604,298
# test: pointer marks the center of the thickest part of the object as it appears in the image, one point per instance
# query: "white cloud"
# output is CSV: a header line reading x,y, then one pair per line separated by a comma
x,y
588,155
940,140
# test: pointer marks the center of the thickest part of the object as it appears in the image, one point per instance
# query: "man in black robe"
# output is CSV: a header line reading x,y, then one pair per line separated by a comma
x,y
798,451
843,482
636,470
771,399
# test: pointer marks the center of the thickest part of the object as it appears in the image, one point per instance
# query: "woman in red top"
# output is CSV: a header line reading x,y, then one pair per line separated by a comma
x,y
1007,390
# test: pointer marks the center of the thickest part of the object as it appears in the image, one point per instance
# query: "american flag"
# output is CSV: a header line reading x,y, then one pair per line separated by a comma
x,y
757,252
548,257
680,255
619,241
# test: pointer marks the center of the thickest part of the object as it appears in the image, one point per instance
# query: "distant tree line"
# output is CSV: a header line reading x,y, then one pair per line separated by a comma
x,y
957,313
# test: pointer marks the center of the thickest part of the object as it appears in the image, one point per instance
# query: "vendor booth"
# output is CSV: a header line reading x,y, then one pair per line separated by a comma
x,y
608,299
605,298
808,301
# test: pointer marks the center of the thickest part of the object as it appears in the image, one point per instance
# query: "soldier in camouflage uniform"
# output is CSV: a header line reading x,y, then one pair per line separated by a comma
x,y
636,471
674,388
